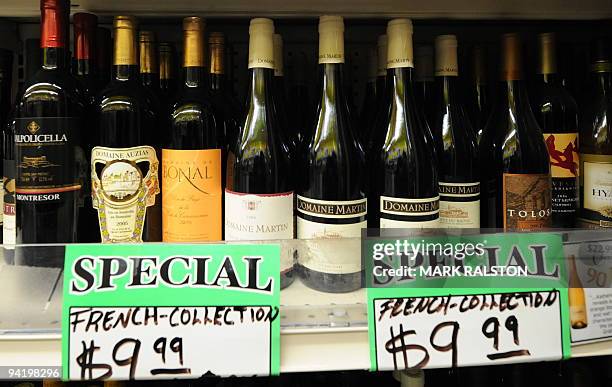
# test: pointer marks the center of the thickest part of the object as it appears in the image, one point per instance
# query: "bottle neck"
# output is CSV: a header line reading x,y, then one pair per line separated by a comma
x,y
54,58
150,80
217,81
333,84
550,78
602,82
448,88
194,77
84,68
514,97
125,72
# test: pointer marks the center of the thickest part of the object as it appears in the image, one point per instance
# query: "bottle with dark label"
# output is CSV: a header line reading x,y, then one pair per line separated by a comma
x,y
404,159
557,114
49,119
124,161
478,91
191,160
596,142
515,170
458,173
332,201
103,56
259,193
85,25
223,100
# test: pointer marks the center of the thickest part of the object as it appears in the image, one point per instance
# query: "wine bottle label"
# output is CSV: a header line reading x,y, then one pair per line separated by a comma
x,y
526,201
322,220
597,188
8,228
124,183
191,203
261,46
47,155
409,213
460,205
260,217
564,168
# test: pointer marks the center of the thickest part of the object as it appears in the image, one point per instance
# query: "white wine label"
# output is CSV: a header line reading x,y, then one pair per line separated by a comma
x,y
327,224
597,200
460,205
124,183
260,217
409,213
328,249
332,209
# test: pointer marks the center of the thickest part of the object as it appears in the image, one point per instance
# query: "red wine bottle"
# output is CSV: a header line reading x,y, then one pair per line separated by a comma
x,y
49,120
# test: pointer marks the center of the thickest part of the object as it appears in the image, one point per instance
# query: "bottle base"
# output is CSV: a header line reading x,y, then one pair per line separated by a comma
x,y
331,283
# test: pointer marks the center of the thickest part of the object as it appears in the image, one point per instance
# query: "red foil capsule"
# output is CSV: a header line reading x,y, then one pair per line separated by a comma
x,y
54,16
85,25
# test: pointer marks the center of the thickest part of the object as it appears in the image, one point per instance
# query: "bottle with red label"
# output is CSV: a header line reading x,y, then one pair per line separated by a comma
x,y
557,114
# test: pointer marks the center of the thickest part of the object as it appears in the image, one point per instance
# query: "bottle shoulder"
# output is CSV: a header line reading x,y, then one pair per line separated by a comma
x,y
51,92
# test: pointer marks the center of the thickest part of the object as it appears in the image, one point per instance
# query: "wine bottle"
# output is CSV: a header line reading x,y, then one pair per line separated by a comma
x,y
49,118
167,75
368,106
515,171
124,161
458,172
596,142
226,106
557,115
404,173
424,80
6,83
191,161
332,201
103,56
382,110
479,94
149,67
576,297
9,231
279,95
302,113
85,25
259,193
32,59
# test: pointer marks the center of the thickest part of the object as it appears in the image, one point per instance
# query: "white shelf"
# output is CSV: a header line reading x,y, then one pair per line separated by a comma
x,y
469,9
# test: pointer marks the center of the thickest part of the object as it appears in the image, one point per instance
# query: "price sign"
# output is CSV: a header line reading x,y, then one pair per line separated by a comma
x,y
452,301
170,311
467,330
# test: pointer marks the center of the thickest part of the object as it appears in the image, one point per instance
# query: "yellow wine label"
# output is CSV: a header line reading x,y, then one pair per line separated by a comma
x,y
124,183
597,189
563,154
191,203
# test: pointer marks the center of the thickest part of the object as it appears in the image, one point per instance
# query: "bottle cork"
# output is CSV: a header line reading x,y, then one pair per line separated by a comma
x,y
399,50
446,56
278,55
382,55
331,39
261,46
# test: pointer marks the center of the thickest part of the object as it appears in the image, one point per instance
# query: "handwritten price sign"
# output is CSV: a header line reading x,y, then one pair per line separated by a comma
x,y
466,330
147,342
170,311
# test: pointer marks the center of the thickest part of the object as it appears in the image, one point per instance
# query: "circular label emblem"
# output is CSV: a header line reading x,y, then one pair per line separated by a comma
x,y
121,180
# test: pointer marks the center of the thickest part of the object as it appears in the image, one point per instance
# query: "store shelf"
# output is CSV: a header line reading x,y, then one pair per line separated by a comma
x,y
472,9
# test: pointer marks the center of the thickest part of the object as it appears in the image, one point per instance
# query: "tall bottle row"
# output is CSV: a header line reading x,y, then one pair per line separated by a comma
x,y
124,142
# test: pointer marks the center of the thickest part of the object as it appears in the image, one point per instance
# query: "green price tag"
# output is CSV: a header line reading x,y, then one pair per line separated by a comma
x,y
170,311
507,302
